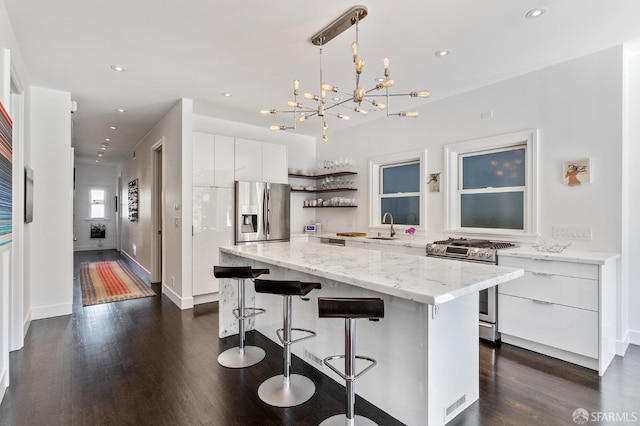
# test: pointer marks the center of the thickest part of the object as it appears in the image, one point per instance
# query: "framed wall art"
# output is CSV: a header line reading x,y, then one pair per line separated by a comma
x,y
133,200
576,172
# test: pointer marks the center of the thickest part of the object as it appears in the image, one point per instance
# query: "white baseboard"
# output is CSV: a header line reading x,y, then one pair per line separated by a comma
x,y
132,260
182,303
41,312
206,298
27,323
4,383
633,337
90,247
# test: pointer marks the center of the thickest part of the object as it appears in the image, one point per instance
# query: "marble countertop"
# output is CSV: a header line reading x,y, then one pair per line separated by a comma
x,y
418,278
568,255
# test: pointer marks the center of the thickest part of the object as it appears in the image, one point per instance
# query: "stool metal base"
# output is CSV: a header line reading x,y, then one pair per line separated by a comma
x,y
274,392
341,420
233,358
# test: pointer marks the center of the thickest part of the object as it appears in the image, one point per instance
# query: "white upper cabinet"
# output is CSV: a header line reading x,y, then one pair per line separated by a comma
x,y
261,161
274,163
213,160
203,159
224,161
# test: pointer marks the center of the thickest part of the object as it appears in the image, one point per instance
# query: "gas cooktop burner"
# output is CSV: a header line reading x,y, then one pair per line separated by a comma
x,y
463,242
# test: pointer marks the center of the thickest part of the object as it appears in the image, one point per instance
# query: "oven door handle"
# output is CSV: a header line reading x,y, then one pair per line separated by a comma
x,y
541,302
542,274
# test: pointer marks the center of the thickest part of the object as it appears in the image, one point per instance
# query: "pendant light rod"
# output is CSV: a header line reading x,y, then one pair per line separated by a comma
x,y
338,26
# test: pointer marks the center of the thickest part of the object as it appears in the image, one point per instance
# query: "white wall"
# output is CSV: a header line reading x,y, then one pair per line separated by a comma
x,y
633,179
577,105
51,241
88,176
140,233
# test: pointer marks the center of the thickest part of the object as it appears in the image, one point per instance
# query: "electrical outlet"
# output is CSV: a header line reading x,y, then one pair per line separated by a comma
x,y
571,232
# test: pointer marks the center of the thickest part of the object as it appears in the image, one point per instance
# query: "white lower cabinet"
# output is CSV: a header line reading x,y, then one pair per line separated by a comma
x,y
560,308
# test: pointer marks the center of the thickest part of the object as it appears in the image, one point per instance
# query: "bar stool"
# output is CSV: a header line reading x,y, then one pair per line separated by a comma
x,y
287,390
241,356
350,309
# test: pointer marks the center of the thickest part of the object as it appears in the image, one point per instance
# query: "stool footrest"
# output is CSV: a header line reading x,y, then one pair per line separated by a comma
x,y
343,375
253,313
300,339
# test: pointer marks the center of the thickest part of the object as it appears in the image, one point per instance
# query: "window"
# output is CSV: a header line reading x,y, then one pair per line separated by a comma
x,y
491,185
397,187
97,203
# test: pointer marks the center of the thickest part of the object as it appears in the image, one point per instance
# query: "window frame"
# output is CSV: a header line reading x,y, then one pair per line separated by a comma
x,y
376,164
107,202
453,192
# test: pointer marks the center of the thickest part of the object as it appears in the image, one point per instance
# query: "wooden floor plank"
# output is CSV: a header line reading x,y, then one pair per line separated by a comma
x,y
145,362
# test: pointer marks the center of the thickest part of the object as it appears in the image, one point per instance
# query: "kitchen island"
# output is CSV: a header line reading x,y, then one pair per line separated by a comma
x,y
427,343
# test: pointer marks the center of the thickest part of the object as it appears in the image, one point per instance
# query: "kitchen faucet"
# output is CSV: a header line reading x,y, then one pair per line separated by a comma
x,y
391,216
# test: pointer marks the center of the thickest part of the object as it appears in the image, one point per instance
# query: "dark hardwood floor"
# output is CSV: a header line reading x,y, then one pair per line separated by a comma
x,y
145,362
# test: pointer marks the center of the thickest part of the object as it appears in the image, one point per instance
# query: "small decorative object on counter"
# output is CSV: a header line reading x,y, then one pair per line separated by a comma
x,y
411,231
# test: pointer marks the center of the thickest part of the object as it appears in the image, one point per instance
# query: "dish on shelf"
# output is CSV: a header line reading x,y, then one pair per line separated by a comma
x,y
298,188
310,188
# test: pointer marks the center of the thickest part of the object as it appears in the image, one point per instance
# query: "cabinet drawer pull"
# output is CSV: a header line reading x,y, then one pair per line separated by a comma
x,y
541,302
542,274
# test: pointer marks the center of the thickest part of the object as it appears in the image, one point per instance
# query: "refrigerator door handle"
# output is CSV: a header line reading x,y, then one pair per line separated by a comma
x,y
264,215
268,212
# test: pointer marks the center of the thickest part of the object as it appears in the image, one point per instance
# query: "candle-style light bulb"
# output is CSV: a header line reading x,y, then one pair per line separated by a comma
x,y
423,94
410,114
302,118
327,87
294,104
296,84
379,105
310,96
385,84
274,127
354,48
359,64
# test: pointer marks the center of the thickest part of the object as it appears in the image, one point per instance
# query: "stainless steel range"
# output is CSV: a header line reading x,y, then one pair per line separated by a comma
x,y
479,251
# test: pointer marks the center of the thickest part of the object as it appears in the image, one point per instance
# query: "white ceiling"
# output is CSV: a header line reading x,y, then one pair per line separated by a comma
x,y
200,49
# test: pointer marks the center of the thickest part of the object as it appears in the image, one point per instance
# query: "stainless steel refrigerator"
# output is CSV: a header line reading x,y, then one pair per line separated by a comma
x,y
262,212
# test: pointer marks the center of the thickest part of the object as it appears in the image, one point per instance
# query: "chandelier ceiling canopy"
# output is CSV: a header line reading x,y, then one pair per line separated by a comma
x,y
325,105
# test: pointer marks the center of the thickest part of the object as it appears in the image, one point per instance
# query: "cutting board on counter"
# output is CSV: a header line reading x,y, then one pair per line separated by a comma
x,y
351,234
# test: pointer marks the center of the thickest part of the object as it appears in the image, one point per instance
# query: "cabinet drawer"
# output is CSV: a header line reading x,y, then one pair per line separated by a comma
x,y
571,329
556,267
569,291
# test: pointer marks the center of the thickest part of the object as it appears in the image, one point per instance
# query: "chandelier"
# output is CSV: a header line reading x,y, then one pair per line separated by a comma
x,y
325,103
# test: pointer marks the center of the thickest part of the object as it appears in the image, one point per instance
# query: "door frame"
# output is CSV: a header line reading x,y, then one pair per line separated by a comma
x,y
157,216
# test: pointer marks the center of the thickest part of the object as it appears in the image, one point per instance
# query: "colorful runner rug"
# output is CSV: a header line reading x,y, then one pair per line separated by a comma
x,y
112,281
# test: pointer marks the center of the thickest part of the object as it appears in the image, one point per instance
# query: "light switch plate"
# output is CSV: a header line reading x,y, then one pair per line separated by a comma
x,y
571,232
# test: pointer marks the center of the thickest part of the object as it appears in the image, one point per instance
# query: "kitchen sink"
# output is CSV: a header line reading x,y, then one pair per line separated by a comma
x,y
380,238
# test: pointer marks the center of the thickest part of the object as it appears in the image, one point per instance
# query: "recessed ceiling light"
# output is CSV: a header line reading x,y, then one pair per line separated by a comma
x,y
118,68
104,148
227,94
113,127
106,140
379,79
336,99
442,52
100,154
97,161
535,13
121,110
